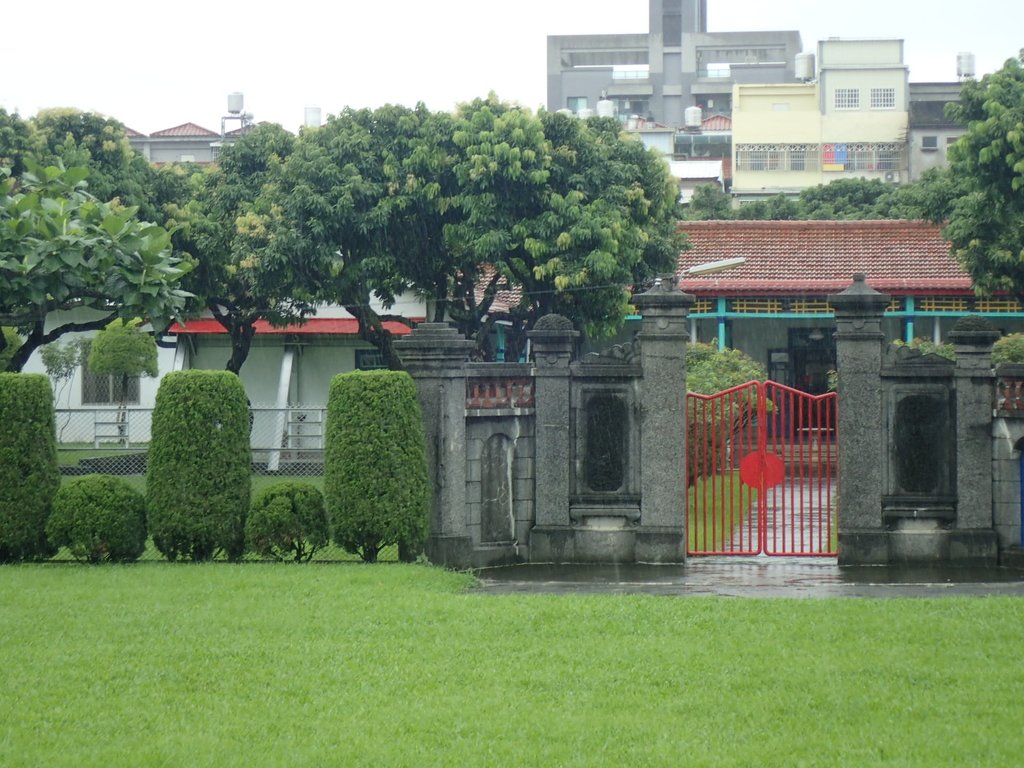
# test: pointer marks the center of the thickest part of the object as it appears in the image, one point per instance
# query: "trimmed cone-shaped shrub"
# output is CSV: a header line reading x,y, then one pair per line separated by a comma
x,y
29,476
199,473
287,521
375,467
99,518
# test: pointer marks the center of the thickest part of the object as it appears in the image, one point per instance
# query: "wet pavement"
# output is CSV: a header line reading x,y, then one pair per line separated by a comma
x,y
752,577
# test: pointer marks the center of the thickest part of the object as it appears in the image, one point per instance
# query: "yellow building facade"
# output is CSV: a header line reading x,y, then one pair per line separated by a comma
x,y
850,121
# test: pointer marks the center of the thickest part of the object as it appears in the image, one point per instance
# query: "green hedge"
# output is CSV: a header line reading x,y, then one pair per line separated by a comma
x,y
287,521
375,469
29,475
99,518
198,478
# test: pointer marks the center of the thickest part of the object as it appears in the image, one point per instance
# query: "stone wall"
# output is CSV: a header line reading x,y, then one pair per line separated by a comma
x,y
915,442
560,459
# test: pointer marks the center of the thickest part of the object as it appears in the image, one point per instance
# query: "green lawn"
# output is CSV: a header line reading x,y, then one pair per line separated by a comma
x,y
242,665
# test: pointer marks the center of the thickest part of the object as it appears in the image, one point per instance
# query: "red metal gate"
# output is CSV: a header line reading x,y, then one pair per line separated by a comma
x,y
761,460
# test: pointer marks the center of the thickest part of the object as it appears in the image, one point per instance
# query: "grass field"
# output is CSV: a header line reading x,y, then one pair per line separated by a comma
x,y
232,665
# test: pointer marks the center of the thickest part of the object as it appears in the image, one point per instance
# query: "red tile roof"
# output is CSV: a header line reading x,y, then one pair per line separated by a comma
x,y
821,257
334,326
185,129
131,133
716,123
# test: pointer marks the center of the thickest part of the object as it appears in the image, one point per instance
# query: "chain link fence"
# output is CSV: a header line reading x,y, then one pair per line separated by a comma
x,y
286,442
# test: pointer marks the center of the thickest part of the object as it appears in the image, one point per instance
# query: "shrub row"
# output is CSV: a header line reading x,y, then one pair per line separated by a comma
x,y
197,501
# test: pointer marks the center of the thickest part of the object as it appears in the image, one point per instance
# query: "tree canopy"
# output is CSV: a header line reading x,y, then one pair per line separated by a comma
x,y
931,197
552,214
62,249
986,226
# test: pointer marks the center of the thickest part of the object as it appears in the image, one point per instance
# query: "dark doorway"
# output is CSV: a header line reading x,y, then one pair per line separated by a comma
x,y
812,354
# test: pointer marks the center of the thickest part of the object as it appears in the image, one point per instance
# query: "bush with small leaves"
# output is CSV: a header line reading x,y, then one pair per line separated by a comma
x,y
99,518
199,466
287,521
29,475
1009,349
375,468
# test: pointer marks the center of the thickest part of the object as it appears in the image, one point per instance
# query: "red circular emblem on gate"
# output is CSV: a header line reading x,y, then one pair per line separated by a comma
x,y
758,468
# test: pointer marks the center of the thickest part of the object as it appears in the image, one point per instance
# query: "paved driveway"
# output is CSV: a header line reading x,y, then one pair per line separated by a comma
x,y
751,577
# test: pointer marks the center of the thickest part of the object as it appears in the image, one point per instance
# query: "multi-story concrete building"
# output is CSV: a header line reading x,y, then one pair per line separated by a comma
x,y
931,132
677,64
850,121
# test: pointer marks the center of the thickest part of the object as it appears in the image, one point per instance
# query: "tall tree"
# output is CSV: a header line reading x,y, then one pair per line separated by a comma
x,y
228,227
61,249
986,227
353,210
566,213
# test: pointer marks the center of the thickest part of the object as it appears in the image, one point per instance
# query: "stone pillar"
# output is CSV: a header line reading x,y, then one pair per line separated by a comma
x,y
973,540
661,536
862,445
434,354
552,340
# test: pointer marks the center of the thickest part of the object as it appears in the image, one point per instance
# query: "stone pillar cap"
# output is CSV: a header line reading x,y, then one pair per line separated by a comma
x,y
860,297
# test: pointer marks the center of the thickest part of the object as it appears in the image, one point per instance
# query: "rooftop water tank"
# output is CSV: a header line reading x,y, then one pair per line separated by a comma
x,y
312,117
692,117
236,102
965,64
606,108
565,111
804,67
586,112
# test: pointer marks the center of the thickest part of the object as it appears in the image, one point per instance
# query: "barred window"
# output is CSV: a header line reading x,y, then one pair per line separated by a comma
x,y
777,157
883,98
369,360
847,98
864,157
107,389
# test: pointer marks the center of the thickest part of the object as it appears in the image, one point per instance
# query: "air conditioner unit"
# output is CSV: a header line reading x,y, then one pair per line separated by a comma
x,y
892,177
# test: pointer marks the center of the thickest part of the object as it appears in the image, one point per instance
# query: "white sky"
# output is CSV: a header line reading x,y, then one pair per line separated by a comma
x,y
156,66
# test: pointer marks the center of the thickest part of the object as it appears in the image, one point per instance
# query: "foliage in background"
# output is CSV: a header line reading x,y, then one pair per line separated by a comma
x,y
986,227
1009,349
29,475
287,521
61,249
928,347
198,475
931,198
710,369
99,518
375,468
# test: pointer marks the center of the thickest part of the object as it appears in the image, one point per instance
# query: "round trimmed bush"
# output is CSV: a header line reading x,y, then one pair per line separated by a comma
x,y
375,467
287,521
99,518
29,475
199,467
1009,349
